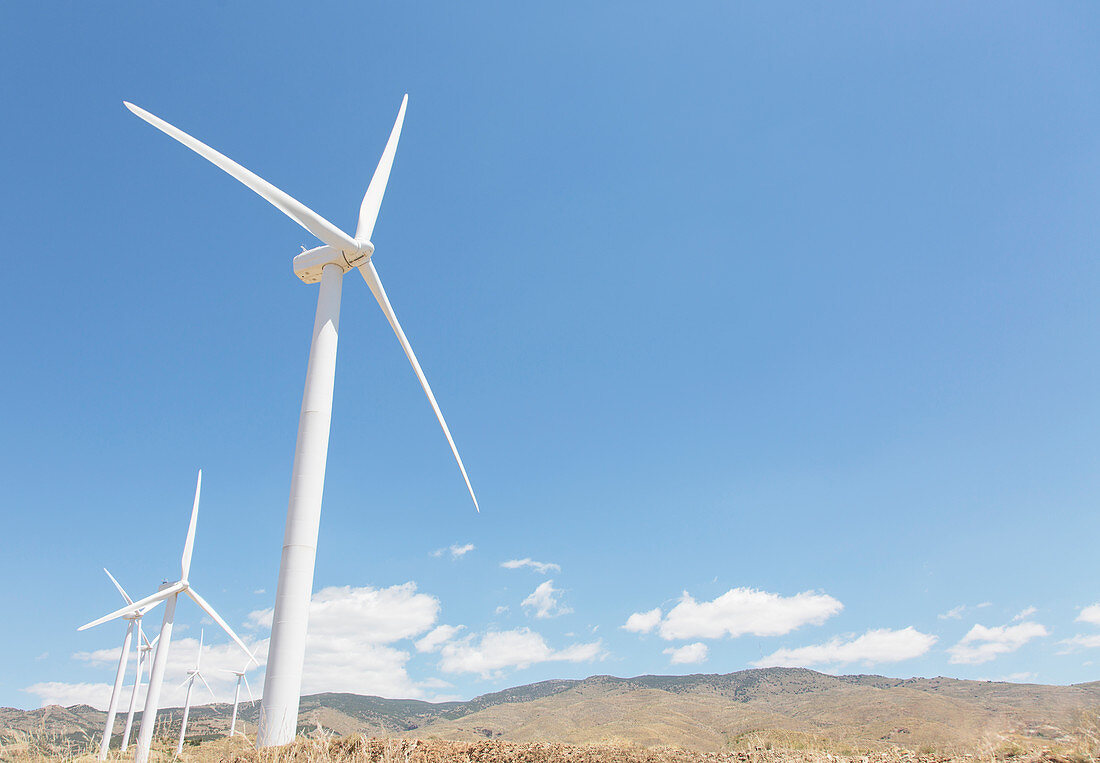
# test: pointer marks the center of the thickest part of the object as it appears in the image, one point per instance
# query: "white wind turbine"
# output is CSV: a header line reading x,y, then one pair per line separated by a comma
x,y
326,264
190,681
240,674
168,593
133,624
145,652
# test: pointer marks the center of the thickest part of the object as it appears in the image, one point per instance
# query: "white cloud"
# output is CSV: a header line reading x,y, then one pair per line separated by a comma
x,y
1079,642
982,644
546,601
689,654
436,637
495,651
643,622
1024,613
957,612
1019,677
873,647
1090,614
501,609
540,567
456,551
59,693
350,647
746,610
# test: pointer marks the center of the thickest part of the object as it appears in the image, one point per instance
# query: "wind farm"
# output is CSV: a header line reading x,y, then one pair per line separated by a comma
x,y
762,337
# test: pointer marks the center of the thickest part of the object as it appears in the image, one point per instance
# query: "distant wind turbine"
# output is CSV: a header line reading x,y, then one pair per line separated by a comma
x,y
133,624
240,674
327,265
168,593
190,682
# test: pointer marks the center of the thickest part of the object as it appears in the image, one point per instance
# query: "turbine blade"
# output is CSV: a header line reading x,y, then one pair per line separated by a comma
x,y
189,544
212,695
198,657
370,275
218,619
184,683
249,688
133,609
368,211
285,203
124,594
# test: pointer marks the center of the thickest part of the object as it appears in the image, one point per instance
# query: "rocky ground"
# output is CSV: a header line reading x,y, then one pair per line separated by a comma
x,y
358,749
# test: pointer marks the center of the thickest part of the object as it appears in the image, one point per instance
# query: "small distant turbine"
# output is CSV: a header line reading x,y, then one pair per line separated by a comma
x,y
145,652
133,623
240,674
190,681
326,265
168,593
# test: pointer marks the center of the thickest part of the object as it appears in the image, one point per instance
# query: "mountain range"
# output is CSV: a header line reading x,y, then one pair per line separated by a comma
x,y
790,706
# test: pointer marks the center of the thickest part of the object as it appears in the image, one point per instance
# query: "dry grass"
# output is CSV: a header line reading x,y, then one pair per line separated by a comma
x,y
358,749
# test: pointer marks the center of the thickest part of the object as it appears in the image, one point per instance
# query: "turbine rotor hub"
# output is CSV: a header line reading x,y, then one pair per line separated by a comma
x,y
309,264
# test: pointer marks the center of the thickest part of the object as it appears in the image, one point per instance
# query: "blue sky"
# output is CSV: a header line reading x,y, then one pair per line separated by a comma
x,y
778,320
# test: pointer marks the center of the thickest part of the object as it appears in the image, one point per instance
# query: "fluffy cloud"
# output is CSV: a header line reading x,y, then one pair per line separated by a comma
x,y
746,610
456,551
59,693
352,646
181,658
495,651
546,601
1090,614
690,654
540,567
982,644
436,637
643,622
1024,614
873,647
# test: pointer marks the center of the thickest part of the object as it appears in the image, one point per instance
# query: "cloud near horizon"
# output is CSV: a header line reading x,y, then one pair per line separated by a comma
x,y
491,653
737,612
874,647
983,644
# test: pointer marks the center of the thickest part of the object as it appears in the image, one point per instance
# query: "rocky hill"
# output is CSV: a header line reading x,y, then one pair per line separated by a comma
x,y
704,712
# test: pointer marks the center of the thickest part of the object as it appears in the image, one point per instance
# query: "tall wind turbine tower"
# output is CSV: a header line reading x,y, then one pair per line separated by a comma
x,y
326,265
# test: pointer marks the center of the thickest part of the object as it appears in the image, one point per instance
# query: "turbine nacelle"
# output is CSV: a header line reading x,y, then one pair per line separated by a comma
x,y
309,264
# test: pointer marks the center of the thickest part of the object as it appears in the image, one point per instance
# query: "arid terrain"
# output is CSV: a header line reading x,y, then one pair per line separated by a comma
x,y
704,716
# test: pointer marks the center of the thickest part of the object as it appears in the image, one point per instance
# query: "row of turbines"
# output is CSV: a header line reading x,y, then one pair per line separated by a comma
x,y
325,265
157,650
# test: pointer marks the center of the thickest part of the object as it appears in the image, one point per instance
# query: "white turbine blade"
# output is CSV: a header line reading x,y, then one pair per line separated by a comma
x,y
190,677
125,595
212,695
370,275
218,619
189,544
198,657
246,686
368,211
137,606
284,202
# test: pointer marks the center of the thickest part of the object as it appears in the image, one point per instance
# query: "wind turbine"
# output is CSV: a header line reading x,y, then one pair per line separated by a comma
x,y
240,674
144,652
168,593
327,265
133,623
190,681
